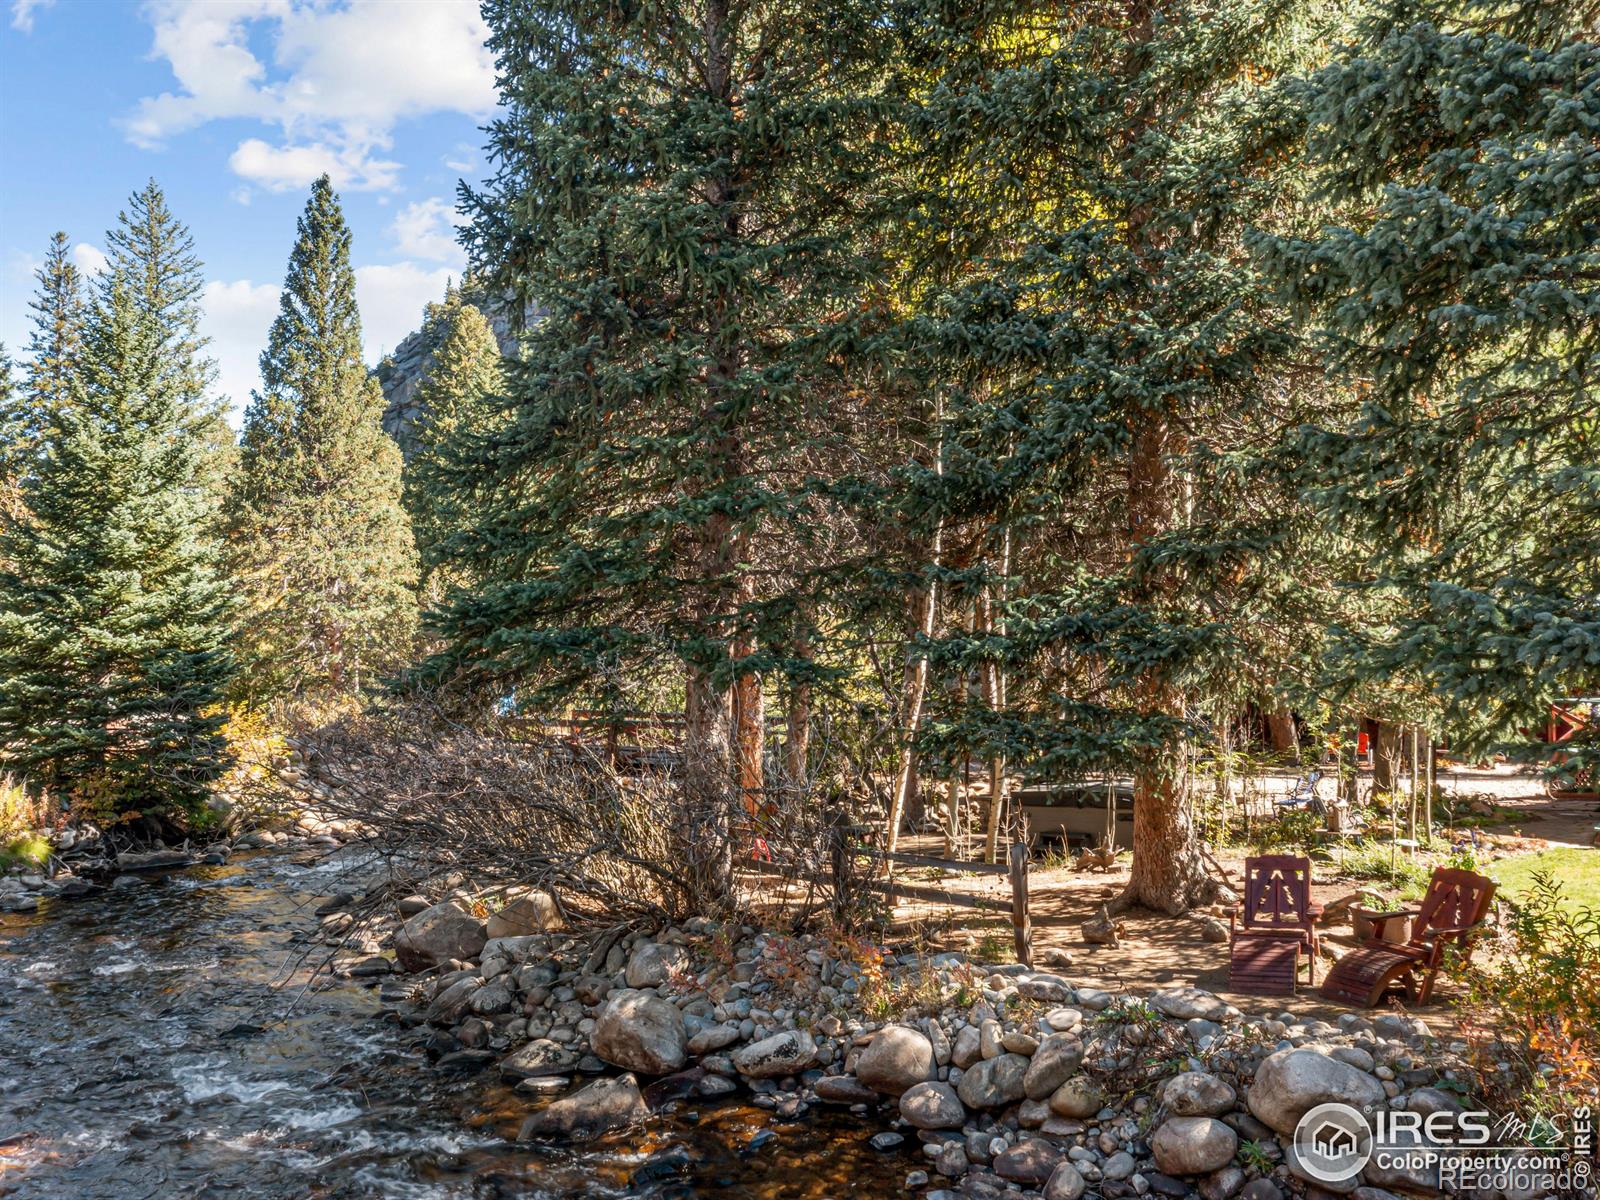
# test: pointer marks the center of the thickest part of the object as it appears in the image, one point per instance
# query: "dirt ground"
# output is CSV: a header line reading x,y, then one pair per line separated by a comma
x,y
1161,951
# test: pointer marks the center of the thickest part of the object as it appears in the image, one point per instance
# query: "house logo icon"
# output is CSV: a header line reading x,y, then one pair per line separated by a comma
x,y
1333,1142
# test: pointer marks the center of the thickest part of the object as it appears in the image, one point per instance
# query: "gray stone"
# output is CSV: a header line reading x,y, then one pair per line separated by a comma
x,y
994,1082
785,1053
713,1038
1046,989
1078,1097
1407,1161
1193,1145
540,1057
1030,1162
437,935
844,1089
531,913
1055,1061
930,1105
1197,1094
885,1140
1223,1184
1065,1183
1185,1003
952,1160
653,963
968,1047
1290,1083
1261,1189
1118,1166
640,1032
897,1057
593,1109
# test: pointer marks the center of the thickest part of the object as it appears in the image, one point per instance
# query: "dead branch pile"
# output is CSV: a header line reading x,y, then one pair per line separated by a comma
x,y
438,801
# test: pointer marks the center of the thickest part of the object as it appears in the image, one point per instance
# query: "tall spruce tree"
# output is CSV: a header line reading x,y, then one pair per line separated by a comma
x,y
154,253
1112,357
688,192
112,618
55,343
1459,140
15,441
318,540
454,402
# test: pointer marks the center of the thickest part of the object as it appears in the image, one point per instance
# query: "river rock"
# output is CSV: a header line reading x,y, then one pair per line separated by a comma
x,y
1197,1094
713,1038
1193,1145
1290,1083
967,1047
530,913
438,934
450,1003
593,1109
930,1105
653,963
786,1053
153,860
844,1089
993,1082
1184,1003
1055,1061
641,1032
539,1058
1046,989
897,1057
1030,1162
1078,1098
1065,1183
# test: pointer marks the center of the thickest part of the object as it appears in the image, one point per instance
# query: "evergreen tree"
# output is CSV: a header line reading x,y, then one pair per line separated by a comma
x,y
112,620
320,544
154,254
1112,358
688,192
56,343
453,400
15,441
1459,294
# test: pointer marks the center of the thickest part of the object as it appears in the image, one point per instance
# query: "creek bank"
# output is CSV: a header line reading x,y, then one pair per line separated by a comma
x,y
999,1080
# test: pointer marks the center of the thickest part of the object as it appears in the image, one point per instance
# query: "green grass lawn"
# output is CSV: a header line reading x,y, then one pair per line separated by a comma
x,y
1575,868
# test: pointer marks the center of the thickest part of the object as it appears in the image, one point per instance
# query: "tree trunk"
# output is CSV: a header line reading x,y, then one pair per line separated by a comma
x,y
750,726
1281,729
1386,758
1168,872
798,746
705,838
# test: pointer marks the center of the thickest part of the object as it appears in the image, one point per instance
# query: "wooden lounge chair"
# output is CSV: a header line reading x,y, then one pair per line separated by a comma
x,y
1274,926
1452,912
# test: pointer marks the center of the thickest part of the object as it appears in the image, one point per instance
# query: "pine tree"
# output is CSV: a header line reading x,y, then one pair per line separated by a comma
x,y
319,542
1112,357
112,620
55,344
453,399
687,191
1458,293
15,441
154,253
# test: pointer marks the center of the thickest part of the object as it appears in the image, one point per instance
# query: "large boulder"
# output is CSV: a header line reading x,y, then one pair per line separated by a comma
x,y
653,963
603,1105
527,914
1197,1094
436,935
897,1057
930,1105
993,1082
1055,1061
1193,1145
640,1032
1078,1098
1290,1083
786,1053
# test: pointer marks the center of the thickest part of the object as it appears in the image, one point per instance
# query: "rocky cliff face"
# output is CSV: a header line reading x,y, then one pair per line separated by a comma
x,y
401,373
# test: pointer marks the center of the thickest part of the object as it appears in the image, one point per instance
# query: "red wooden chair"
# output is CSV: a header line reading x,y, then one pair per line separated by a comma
x,y
1452,912
1274,926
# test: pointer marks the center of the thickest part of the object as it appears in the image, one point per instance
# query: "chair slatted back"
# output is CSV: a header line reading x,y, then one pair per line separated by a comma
x,y
1277,892
1455,898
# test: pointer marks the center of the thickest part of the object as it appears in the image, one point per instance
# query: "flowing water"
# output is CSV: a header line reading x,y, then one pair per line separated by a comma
x,y
147,1049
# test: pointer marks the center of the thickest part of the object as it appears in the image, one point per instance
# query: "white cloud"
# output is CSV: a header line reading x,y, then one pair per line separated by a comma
x,y
241,196
90,260
391,299
427,229
279,168
237,317
339,79
464,157
22,12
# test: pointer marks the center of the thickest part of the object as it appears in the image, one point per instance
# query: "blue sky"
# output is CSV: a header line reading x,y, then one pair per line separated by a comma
x,y
234,106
